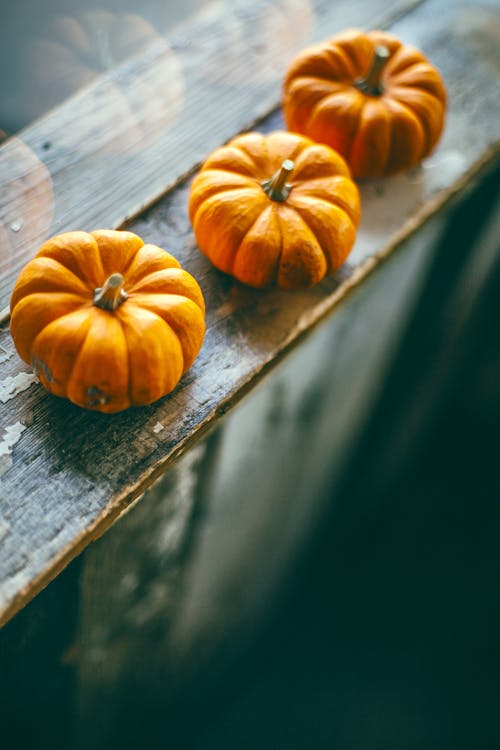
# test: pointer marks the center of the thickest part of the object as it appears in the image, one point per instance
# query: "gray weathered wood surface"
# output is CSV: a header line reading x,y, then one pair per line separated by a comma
x,y
66,475
127,137
160,598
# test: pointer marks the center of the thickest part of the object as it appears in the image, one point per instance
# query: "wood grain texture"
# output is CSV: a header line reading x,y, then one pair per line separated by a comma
x,y
66,475
151,625
128,136
157,655
131,583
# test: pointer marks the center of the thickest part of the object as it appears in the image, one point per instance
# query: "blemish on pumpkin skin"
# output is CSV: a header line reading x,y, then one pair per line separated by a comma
x,y
100,398
42,370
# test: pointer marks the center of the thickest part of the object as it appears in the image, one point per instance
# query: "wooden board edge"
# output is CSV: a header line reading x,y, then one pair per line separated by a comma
x,y
122,502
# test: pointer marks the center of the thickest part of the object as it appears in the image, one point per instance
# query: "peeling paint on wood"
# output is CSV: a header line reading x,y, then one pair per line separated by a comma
x,y
12,434
14,384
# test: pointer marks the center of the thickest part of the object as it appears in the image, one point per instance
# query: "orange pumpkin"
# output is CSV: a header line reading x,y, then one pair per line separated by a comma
x,y
275,209
378,102
107,321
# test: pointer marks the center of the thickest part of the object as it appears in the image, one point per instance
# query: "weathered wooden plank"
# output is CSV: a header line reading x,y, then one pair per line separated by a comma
x,y
67,474
388,365
116,145
140,643
141,570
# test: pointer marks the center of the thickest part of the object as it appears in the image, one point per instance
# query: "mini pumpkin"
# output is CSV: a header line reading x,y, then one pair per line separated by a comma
x,y
377,101
275,209
106,320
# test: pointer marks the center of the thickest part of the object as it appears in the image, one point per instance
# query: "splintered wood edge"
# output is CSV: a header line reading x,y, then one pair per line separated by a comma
x,y
123,501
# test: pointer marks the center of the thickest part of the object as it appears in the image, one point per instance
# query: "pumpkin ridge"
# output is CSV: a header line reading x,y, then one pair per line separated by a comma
x,y
74,371
313,232
254,256
430,138
259,215
280,251
333,201
355,69
214,204
213,172
222,192
188,290
67,271
382,101
130,383
77,358
402,60
336,162
241,154
348,155
394,75
20,293
303,80
414,87
336,55
38,363
422,125
130,261
298,150
170,321
60,243
364,119
87,303
323,103
428,81
213,189
104,236
248,155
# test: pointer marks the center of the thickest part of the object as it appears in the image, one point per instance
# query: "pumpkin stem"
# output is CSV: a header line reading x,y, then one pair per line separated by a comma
x,y
111,294
277,187
371,84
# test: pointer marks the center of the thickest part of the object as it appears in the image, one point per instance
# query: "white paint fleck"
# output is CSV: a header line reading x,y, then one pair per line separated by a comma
x,y
15,384
158,427
16,225
12,434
